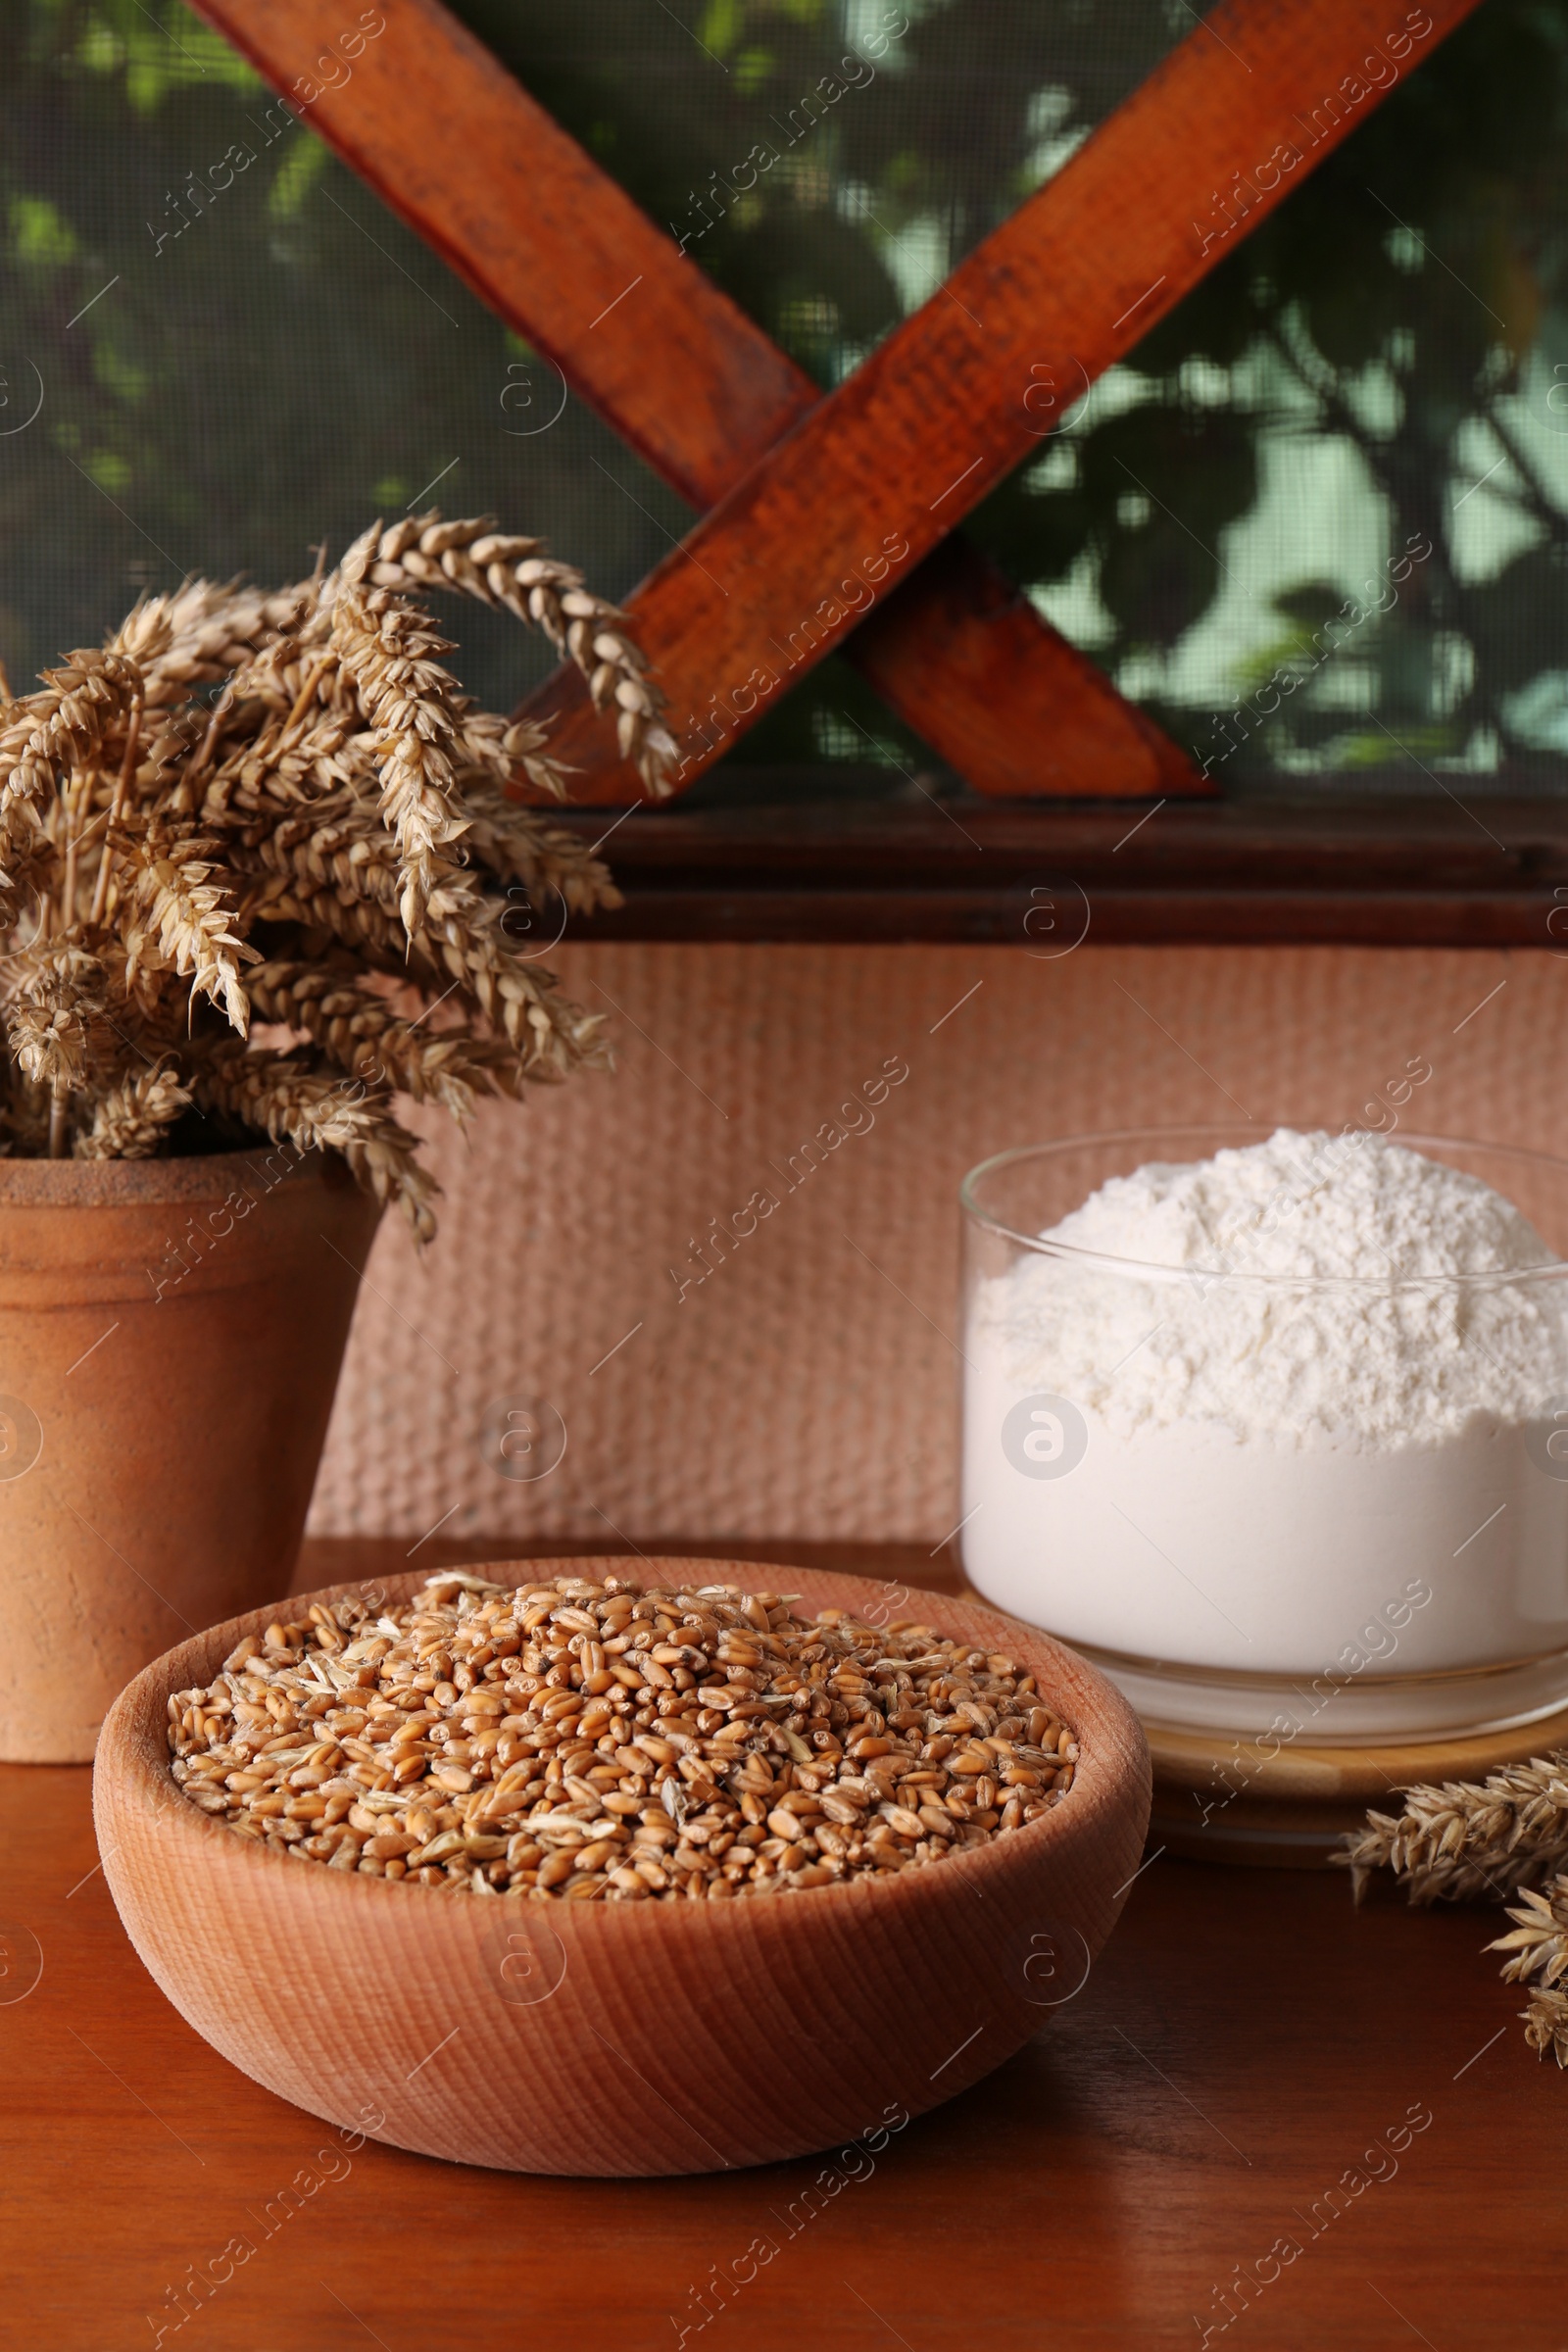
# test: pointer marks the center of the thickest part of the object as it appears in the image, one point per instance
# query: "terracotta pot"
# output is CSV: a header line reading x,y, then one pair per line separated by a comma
x,y
170,1333
618,2038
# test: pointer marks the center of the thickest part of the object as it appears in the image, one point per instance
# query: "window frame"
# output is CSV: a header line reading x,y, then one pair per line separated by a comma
x,y
1078,788
1329,869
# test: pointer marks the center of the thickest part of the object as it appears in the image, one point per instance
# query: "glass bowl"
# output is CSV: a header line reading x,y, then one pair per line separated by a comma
x,y
1300,1581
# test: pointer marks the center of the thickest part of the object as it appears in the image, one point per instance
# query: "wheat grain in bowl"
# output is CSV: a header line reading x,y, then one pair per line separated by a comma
x,y
575,1740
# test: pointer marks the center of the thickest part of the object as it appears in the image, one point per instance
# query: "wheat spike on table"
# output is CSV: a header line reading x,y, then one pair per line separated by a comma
x,y
1468,1841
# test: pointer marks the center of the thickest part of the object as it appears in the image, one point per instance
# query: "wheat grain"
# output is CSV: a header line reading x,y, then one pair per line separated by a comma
x,y
574,1739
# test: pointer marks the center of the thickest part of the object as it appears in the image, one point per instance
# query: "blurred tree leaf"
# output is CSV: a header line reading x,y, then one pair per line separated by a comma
x,y
1516,626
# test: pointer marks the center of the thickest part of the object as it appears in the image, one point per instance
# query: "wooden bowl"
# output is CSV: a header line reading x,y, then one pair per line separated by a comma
x,y
622,2039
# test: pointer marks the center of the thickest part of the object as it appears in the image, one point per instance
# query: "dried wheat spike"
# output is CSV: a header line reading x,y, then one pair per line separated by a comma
x,y
336,870
498,746
57,991
1540,1941
470,558
131,1117
520,845
59,730
389,650
464,938
361,1031
1547,2025
1462,1840
176,917
212,630
1539,1945
1503,1836
145,635
281,1095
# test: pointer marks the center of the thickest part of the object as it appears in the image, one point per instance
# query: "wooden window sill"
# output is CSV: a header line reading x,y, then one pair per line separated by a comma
x,y
1395,872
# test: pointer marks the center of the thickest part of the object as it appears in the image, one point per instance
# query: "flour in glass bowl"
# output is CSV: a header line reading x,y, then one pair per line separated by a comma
x,y
1284,1412
1382,1366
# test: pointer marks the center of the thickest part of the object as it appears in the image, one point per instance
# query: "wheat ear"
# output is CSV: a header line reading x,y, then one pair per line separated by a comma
x,y
1501,1836
175,916
133,1116
1467,1840
358,1030
1539,1945
388,648
288,1098
470,558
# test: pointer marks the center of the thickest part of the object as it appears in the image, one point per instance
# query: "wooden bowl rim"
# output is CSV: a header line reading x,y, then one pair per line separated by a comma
x,y
127,1762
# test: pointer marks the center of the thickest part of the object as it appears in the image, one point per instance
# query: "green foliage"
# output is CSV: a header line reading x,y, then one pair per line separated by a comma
x,y
39,237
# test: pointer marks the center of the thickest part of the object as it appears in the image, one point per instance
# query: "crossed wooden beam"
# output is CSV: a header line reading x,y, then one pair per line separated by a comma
x,y
830,518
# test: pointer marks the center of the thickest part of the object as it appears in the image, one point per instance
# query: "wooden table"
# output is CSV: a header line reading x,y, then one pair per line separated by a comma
x,y
1245,2043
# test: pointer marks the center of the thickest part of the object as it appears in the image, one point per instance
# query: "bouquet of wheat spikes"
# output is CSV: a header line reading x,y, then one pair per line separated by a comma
x,y
281,807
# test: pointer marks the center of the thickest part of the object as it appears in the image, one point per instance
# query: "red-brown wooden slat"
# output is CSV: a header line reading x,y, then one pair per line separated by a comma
x,y
936,415
978,640
427,117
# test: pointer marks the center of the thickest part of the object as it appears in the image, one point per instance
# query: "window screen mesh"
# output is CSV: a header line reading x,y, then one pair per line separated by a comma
x,y
1316,526
237,358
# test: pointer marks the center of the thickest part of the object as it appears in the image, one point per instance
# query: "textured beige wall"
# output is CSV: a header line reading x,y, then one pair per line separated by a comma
x,y
808,1386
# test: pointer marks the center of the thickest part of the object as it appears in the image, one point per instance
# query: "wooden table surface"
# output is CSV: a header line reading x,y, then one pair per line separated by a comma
x,y
1246,2046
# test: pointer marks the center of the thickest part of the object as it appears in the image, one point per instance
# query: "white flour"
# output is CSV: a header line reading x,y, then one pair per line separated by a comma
x,y
1172,1461
1385,1366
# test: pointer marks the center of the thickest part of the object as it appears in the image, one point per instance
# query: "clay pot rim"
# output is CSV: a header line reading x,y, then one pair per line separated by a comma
x,y
119,1183
1110,1738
